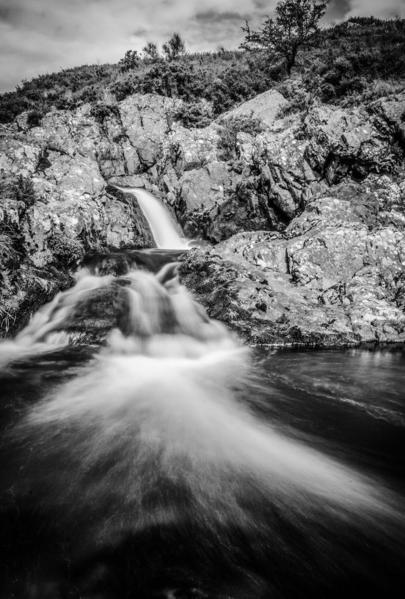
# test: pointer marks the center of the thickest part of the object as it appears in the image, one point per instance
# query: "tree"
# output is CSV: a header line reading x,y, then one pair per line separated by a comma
x,y
130,61
296,21
151,51
174,48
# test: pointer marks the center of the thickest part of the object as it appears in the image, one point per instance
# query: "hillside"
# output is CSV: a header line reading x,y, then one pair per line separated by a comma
x,y
363,58
294,186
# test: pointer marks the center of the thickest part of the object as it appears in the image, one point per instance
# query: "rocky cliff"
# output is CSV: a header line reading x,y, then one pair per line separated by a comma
x,y
304,211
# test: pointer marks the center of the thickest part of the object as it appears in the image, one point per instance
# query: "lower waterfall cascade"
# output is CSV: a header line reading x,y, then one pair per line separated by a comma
x,y
148,467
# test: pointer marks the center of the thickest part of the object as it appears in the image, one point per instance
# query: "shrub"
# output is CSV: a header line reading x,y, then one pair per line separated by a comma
x,y
34,118
67,250
101,111
24,193
347,58
174,47
228,133
151,52
194,114
130,61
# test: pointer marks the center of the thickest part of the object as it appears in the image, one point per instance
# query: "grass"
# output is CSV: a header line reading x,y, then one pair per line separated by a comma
x,y
344,64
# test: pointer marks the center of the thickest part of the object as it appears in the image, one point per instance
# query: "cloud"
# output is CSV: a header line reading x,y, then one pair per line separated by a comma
x,y
39,36
337,10
377,8
212,16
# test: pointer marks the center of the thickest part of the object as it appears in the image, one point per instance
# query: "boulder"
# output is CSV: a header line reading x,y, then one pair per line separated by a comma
x,y
336,276
267,107
348,143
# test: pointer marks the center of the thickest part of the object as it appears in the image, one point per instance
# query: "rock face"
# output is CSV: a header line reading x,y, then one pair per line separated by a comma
x,y
230,177
336,276
306,209
55,202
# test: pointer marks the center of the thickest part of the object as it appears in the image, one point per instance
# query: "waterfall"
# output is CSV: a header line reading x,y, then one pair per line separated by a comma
x,y
162,400
162,225
157,440
46,330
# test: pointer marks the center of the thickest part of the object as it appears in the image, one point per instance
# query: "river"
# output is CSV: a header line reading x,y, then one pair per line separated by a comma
x,y
170,461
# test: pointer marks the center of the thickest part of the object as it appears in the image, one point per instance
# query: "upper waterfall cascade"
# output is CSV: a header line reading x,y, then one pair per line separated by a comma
x,y
163,227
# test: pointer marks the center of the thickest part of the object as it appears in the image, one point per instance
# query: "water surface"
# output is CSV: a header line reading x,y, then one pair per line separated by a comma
x,y
348,405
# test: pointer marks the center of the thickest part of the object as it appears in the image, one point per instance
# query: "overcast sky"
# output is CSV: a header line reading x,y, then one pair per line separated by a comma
x,y
40,36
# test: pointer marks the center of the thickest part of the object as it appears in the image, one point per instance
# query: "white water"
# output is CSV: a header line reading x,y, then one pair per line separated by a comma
x,y
44,331
158,409
162,225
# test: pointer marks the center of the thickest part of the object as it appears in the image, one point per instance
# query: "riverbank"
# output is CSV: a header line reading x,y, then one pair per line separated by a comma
x,y
302,212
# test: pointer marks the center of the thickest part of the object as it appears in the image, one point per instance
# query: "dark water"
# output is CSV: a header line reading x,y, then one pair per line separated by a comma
x,y
349,404
93,506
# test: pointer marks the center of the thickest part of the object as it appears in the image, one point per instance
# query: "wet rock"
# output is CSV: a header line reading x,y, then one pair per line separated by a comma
x,y
263,307
201,193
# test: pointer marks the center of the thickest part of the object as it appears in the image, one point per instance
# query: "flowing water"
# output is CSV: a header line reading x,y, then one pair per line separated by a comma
x,y
153,455
164,229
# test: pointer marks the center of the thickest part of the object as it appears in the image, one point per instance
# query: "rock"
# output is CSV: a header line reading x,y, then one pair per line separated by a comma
x,y
146,120
18,157
267,107
335,277
130,181
54,201
68,132
388,115
188,149
263,307
348,143
201,192
263,249
265,187
309,212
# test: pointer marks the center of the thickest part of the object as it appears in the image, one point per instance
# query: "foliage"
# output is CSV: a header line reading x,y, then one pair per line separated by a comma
x,y
340,64
295,23
102,111
151,52
11,250
7,251
228,133
67,250
24,193
34,118
130,61
174,47
194,114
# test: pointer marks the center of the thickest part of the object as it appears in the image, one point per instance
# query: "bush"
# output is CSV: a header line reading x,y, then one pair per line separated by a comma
x,y
228,133
24,193
67,250
130,61
34,118
194,114
101,111
174,47
347,58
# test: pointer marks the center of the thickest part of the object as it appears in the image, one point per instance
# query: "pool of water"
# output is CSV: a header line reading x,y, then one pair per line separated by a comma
x,y
348,405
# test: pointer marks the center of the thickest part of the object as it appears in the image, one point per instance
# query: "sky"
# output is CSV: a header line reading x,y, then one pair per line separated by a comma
x,y
43,36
